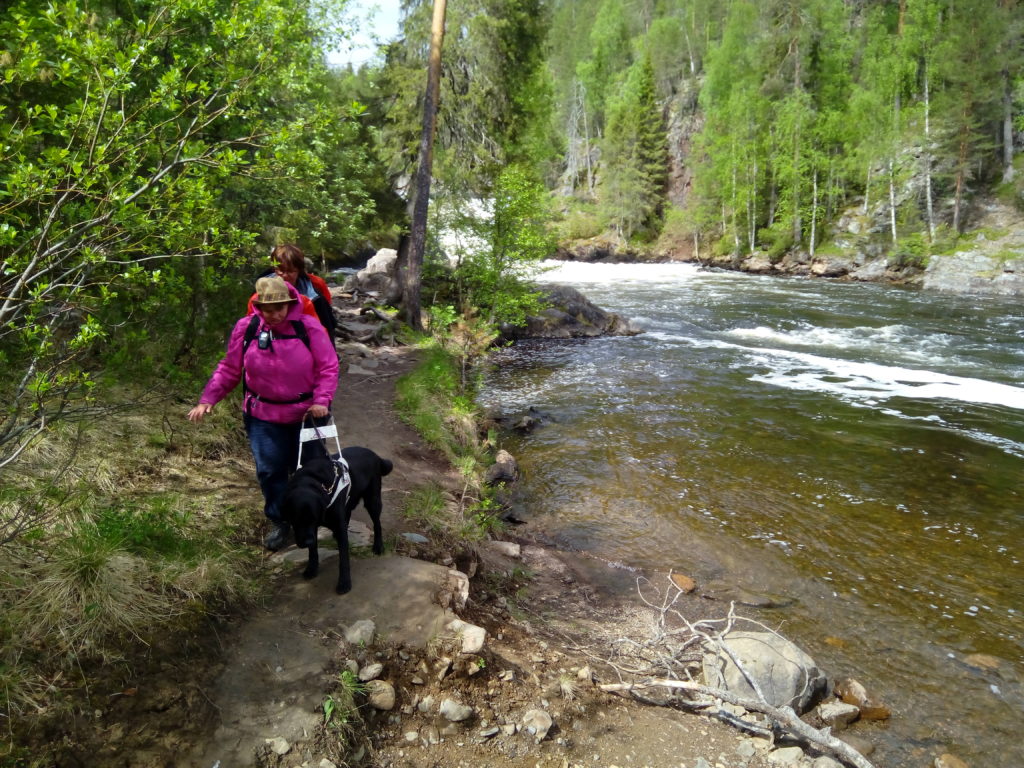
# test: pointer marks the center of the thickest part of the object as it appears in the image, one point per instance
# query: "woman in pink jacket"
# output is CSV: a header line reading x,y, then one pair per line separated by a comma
x,y
289,370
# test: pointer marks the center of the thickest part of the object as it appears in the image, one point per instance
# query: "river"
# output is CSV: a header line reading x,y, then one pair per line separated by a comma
x,y
855,451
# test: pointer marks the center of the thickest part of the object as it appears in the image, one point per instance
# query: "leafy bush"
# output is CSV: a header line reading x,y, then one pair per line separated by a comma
x,y
911,251
582,221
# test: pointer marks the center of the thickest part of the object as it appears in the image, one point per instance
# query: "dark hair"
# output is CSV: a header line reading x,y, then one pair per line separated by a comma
x,y
290,256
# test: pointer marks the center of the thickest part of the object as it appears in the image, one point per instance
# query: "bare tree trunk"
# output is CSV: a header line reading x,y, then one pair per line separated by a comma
x,y
421,205
735,205
1007,128
961,174
586,144
892,200
867,189
929,202
814,210
689,51
752,209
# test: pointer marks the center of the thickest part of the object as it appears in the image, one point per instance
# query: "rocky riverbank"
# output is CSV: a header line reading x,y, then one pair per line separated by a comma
x,y
988,259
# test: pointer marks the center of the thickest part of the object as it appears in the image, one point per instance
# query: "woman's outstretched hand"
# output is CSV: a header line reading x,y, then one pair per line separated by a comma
x,y
317,411
197,413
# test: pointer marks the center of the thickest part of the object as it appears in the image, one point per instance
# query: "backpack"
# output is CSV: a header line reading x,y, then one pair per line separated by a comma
x,y
250,334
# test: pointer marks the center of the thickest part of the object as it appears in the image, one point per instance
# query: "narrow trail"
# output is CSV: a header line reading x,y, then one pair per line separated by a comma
x,y
281,660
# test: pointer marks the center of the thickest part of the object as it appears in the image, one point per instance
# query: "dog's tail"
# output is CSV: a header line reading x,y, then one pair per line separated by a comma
x,y
385,467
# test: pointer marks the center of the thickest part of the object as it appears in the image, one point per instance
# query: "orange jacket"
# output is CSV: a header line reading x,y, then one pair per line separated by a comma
x,y
307,306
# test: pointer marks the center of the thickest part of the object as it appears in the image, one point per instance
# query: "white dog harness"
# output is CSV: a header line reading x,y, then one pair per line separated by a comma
x,y
342,480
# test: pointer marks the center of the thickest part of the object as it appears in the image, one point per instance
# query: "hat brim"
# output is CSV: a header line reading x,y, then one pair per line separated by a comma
x,y
273,303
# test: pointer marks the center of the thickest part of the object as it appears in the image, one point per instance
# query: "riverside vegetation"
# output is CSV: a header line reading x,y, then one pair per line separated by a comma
x,y
153,152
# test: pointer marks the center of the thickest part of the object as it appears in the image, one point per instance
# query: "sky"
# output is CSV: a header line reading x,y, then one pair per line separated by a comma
x,y
377,21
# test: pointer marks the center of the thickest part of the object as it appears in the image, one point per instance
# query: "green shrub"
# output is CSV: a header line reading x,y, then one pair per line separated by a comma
x,y
778,240
910,251
580,222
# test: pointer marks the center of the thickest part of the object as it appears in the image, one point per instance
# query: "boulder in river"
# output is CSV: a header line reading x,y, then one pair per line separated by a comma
x,y
569,315
785,674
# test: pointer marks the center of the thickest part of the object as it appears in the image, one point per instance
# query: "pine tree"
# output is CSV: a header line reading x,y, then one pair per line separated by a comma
x,y
634,156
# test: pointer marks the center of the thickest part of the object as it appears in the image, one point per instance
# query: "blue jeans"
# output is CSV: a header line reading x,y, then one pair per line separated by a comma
x,y
275,449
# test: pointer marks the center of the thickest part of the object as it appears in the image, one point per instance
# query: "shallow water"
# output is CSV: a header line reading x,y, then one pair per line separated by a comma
x,y
857,448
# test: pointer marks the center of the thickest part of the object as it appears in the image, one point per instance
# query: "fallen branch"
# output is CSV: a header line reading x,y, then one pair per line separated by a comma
x,y
784,716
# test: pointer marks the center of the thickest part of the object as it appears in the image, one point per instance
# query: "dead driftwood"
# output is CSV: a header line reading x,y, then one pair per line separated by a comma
x,y
669,655
785,717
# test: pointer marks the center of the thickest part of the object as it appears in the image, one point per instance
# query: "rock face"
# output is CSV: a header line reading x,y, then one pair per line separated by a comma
x,y
976,272
786,675
377,275
570,315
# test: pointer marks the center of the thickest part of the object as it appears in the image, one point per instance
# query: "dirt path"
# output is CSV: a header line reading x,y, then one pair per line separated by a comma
x,y
263,705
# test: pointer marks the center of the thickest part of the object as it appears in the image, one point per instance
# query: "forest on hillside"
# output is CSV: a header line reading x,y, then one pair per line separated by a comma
x,y
745,125
153,151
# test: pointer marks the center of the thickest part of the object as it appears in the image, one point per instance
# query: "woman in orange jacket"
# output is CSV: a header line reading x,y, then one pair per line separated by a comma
x,y
290,265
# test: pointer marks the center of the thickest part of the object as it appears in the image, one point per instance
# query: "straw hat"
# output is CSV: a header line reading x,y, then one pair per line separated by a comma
x,y
272,290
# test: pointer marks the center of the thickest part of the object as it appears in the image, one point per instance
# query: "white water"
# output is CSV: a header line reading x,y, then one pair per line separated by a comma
x,y
857,446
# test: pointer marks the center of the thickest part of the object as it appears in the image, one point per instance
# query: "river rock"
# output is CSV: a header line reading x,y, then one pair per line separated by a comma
x,y
376,276
726,592
949,761
503,470
838,714
538,722
863,746
683,583
852,692
381,695
569,315
831,267
455,711
982,661
786,675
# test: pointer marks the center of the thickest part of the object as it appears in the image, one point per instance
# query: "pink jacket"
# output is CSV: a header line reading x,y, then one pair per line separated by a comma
x,y
284,371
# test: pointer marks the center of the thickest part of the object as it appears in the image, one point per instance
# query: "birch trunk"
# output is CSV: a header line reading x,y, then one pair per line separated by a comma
x,y
929,203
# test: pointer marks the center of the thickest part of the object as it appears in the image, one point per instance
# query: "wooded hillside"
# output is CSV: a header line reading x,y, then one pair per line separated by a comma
x,y
802,107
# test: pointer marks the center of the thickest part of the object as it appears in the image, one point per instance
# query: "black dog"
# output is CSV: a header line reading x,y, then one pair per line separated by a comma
x,y
309,493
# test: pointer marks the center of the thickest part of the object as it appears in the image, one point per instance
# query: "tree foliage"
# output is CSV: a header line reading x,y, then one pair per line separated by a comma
x,y
635,157
146,148
808,106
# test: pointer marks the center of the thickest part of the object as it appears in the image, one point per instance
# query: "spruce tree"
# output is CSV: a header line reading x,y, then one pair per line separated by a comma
x,y
634,156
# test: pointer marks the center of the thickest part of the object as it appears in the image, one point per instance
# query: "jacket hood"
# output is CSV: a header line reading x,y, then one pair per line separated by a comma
x,y
294,310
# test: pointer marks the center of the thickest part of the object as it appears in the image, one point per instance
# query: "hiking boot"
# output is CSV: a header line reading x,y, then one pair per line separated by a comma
x,y
278,537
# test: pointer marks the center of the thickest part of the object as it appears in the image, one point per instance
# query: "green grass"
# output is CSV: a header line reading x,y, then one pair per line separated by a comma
x,y
425,507
101,555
